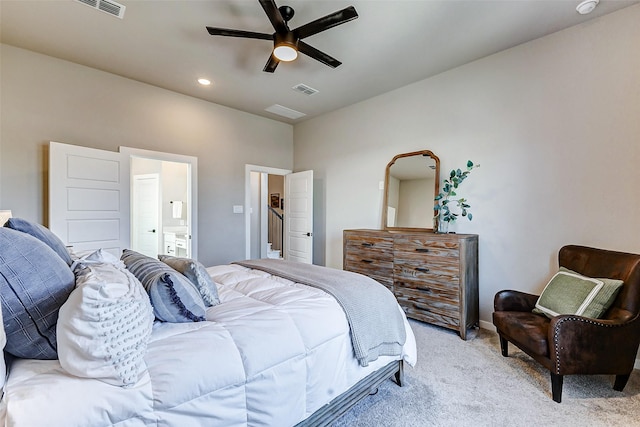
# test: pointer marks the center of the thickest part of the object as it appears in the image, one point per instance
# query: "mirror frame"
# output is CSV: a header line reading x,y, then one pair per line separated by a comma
x,y
425,153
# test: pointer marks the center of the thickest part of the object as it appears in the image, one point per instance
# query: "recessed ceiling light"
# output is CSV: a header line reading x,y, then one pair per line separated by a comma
x,y
204,82
587,6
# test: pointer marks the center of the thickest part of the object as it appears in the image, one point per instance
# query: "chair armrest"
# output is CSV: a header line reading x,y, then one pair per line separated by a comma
x,y
581,345
509,300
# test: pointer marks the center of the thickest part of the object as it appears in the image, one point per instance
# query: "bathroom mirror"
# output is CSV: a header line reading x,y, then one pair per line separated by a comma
x,y
411,182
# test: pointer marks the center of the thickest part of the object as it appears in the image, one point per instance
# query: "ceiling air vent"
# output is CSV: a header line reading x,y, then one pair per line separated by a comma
x,y
302,88
106,6
284,111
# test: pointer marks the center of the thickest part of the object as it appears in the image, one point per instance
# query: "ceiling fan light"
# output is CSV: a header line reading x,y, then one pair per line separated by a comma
x,y
285,52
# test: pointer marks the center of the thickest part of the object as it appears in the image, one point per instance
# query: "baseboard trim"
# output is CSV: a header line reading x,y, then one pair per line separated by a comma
x,y
486,325
489,326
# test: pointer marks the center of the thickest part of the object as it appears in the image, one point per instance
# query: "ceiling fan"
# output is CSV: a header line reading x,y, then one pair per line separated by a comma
x,y
287,43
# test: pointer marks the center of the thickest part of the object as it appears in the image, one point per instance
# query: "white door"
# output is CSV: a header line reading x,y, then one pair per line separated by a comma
x,y
298,216
89,197
145,218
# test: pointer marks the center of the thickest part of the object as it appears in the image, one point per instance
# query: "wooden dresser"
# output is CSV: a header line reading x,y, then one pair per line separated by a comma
x,y
433,276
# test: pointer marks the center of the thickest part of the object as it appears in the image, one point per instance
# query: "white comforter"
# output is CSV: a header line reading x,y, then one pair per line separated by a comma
x,y
271,354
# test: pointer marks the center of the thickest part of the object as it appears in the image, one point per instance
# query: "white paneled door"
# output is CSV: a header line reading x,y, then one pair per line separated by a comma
x,y
298,205
89,197
146,229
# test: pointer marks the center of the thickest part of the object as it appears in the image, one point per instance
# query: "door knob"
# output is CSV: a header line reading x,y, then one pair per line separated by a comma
x,y
152,231
308,234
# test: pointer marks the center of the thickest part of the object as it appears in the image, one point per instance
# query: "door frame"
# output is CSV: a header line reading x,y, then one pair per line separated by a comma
x,y
192,182
247,198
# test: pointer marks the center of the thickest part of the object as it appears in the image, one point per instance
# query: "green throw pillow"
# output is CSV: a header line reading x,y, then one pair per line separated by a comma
x,y
569,292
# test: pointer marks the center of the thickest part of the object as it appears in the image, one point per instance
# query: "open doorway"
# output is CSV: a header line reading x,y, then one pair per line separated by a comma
x,y
278,212
167,183
159,201
266,212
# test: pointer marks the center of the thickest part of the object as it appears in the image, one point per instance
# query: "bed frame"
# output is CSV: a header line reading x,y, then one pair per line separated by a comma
x,y
363,388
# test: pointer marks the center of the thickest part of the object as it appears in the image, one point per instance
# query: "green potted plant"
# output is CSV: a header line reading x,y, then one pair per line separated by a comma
x,y
445,200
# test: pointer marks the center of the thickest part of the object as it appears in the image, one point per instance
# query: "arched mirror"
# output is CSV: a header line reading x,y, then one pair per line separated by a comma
x,y
411,182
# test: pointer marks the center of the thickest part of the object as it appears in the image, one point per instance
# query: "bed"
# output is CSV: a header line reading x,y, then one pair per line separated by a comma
x,y
267,351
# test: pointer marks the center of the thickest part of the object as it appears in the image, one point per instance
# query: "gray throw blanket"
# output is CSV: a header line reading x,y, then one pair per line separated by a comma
x,y
377,326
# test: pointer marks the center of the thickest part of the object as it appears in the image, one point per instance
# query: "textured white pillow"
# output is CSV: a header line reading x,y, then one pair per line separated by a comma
x,y
99,256
104,327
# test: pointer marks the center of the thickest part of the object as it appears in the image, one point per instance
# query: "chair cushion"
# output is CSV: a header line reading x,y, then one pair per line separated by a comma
x,y
569,292
525,329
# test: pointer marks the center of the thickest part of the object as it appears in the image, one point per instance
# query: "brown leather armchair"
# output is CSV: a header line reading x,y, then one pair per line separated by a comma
x,y
570,344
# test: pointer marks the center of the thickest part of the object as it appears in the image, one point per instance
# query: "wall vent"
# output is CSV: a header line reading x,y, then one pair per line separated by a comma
x,y
303,88
106,6
284,112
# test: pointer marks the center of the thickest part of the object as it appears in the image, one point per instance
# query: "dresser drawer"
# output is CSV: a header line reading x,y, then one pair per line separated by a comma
x,y
370,264
429,291
430,317
435,301
365,242
427,245
437,312
426,269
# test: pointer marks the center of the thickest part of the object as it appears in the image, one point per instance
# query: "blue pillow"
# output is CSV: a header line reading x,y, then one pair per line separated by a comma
x,y
197,274
173,297
34,283
41,233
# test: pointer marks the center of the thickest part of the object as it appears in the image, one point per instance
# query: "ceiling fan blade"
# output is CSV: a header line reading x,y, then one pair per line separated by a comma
x,y
326,22
317,55
271,64
274,15
238,33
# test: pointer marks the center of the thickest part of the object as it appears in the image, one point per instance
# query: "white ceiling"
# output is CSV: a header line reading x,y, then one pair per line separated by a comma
x,y
391,44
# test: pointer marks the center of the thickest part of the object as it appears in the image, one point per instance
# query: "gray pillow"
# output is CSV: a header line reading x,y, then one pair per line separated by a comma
x,y
173,297
34,283
41,233
197,274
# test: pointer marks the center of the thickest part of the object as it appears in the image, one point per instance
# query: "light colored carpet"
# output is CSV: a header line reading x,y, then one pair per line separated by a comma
x,y
469,383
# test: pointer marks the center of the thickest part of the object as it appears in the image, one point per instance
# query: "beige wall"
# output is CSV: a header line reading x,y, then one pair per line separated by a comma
x,y
44,99
554,124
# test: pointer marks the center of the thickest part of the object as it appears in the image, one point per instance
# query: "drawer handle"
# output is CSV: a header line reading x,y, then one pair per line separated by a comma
x,y
423,250
419,307
427,290
367,244
422,270
367,261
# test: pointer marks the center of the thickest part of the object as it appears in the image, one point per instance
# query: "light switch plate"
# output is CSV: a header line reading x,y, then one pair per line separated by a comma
x,y
238,209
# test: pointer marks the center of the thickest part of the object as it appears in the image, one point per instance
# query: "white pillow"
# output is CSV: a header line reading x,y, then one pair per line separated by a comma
x,y
104,327
95,257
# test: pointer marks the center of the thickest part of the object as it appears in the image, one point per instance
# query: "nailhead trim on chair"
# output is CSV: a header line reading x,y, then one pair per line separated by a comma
x,y
579,319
